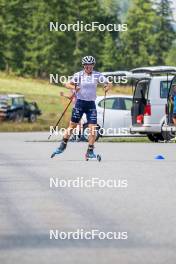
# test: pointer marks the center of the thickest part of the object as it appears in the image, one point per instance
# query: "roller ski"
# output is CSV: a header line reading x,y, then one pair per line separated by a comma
x,y
90,155
60,149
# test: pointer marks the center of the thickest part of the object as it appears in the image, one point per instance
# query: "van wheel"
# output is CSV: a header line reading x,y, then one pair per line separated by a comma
x,y
168,135
155,137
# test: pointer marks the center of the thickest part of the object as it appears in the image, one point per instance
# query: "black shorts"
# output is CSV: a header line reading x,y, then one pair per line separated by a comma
x,y
84,107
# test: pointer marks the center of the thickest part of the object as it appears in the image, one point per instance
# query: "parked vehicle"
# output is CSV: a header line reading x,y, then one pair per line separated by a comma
x,y
117,120
149,100
169,126
14,107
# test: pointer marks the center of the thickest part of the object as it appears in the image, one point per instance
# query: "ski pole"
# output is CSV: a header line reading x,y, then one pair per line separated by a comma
x,y
60,118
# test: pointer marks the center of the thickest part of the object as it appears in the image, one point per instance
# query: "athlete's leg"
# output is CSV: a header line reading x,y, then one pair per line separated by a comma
x,y
91,114
69,130
77,113
92,133
75,119
92,136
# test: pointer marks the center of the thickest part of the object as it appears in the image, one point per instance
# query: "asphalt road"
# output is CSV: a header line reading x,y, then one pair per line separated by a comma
x,y
30,208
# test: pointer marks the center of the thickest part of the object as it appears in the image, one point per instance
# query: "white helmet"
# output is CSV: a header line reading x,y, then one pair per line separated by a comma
x,y
88,60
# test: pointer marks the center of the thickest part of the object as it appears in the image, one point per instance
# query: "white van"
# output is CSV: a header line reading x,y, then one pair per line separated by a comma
x,y
149,101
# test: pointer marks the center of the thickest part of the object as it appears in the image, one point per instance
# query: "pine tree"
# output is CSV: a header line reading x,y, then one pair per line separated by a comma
x,y
48,51
86,42
27,47
137,44
15,15
171,55
109,54
3,63
165,32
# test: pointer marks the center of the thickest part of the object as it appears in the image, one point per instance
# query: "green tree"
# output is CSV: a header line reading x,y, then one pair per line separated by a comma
x,y
3,64
48,51
170,58
27,47
87,42
164,30
137,44
109,54
14,15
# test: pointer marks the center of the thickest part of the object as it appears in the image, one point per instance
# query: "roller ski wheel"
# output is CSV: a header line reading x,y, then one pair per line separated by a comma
x,y
92,157
59,150
99,157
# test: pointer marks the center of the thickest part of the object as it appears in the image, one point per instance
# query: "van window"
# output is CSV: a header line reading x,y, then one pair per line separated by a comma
x,y
173,89
164,88
141,90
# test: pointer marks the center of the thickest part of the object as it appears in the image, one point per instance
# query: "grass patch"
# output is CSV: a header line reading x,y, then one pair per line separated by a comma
x,y
127,140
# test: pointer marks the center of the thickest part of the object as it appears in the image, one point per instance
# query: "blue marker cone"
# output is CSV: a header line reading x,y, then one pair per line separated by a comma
x,y
159,157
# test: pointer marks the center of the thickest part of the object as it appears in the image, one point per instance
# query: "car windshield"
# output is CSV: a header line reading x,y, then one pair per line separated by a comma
x,y
18,101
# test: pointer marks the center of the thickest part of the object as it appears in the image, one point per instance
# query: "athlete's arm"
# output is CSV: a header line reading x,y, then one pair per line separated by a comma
x,y
107,84
66,95
72,86
107,87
